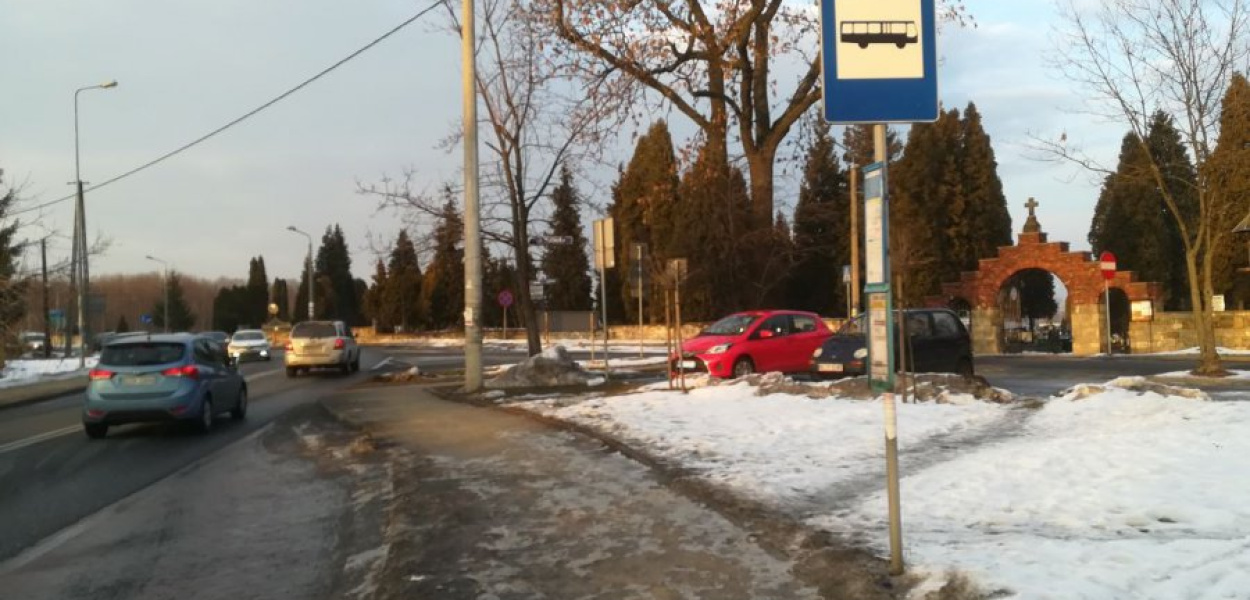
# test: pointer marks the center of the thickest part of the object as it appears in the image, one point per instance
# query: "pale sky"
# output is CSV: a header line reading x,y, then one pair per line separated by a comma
x,y
185,68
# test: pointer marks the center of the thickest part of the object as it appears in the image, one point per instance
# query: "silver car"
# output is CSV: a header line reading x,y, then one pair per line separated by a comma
x,y
321,344
162,377
248,344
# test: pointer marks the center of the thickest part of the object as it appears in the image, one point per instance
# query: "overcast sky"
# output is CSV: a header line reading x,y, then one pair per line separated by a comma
x,y
185,68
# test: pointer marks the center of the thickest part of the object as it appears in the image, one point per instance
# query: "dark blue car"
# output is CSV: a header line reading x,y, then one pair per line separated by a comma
x,y
169,377
936,342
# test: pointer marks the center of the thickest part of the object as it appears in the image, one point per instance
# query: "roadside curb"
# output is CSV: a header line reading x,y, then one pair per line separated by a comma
x,y
1204,383
38,392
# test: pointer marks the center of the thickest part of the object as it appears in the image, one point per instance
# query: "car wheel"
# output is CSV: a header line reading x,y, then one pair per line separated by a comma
x,y
743,367
292,372
346,368
356,364
95,431
205,423
965,368
239,412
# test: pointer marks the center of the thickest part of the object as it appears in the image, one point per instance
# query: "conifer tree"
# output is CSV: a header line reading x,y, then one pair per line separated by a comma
x,y
645,208
257,293
821,231
566,265
180,316
376,308
402,292
714,216
442,290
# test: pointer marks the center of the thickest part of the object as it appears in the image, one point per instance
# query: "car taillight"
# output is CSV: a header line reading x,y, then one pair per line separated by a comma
x,y
188,371
98,374
339,344
288,346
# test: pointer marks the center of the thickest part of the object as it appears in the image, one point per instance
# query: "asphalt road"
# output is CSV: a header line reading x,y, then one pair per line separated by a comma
x,y
51,475
1042,375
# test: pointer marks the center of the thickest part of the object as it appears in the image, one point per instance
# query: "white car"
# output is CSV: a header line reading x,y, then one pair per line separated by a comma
x,y
249,343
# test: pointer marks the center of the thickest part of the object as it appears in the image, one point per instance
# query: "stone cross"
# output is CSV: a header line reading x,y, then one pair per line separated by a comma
x,y
1031,204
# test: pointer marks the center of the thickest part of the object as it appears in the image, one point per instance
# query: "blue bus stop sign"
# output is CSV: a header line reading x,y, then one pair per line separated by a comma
x,y
145,318
879,61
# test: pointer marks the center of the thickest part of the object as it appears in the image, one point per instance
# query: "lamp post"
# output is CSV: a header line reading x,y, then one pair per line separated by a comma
x,y
311,312
80,232
165,317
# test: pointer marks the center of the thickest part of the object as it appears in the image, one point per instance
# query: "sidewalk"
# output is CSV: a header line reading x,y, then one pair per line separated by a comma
x,y
498,506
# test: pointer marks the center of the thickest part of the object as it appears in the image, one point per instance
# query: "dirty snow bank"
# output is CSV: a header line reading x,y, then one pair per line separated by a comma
x,y
24,371
553,367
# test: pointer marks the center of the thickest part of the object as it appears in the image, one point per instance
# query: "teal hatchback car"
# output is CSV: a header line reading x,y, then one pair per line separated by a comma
x,y
170,377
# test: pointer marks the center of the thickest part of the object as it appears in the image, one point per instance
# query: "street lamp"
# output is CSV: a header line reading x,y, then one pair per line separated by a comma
x,y
311,313
80,231
165,317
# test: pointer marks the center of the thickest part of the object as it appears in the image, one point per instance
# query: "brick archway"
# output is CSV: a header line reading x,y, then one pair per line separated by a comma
x,y
1078,271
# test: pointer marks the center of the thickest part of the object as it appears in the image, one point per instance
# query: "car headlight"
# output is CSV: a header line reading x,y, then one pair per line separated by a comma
x,y
817,352
861,353
720,349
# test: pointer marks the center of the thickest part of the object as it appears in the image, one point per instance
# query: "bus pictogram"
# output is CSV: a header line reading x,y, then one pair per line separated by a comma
x,y
899,33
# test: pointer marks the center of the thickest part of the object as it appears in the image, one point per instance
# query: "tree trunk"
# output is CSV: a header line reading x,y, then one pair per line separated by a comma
x,y
1208,360
524,273
760,163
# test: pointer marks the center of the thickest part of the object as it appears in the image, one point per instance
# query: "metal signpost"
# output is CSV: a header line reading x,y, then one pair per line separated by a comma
x,y
639,275
605,258
879,65
676,273
1107,264
505,300
846,281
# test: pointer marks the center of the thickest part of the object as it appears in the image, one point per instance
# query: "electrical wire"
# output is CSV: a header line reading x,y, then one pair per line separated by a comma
x,y
238,120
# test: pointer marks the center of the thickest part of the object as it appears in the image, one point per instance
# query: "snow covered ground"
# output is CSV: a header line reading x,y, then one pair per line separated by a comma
x,y
649,346
1113,493
1194,352
1236,375
28,370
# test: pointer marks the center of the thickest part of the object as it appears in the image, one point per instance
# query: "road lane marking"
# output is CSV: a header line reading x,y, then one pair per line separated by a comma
x,y
262,374
35,439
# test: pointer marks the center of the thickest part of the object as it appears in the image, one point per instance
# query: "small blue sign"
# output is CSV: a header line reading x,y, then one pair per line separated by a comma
x,y
879,61
145,318
56,313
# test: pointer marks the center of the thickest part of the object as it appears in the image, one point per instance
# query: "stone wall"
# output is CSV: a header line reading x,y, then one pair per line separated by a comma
x,y
1172,331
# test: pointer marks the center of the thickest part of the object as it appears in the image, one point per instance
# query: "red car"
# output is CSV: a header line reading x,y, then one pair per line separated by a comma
x,y
754,341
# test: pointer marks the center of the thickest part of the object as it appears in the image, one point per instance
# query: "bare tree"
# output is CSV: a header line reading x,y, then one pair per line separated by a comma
x,y
1134,57
709,60
537,118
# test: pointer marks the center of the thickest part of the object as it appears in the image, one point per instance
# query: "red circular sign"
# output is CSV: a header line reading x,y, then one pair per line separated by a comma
x,y
504,298
1107,263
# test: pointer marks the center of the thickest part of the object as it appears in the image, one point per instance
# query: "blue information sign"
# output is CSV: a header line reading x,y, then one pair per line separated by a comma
x,y
145,318
879,61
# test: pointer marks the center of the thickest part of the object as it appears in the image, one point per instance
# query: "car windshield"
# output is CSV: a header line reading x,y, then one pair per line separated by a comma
x,y
146,353
249,336
731,325
313,330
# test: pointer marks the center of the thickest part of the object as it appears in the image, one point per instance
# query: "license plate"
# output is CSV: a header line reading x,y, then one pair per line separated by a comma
x,y
689,365
139,380
829,367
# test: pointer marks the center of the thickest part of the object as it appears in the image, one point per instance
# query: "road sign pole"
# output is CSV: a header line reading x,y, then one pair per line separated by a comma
x,y
638,269
505,322
887,397
854,289
1106,288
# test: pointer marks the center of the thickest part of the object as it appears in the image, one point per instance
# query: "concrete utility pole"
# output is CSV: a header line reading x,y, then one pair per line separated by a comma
x,y
47,325
312,313
80,235
472,210
854,291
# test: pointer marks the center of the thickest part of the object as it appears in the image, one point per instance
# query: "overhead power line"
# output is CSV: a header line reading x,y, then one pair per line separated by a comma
x,y
240,119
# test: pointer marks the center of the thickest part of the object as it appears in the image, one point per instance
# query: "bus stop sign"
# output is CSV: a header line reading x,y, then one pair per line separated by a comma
x,y
879,61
